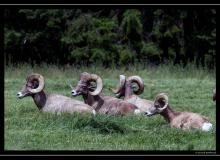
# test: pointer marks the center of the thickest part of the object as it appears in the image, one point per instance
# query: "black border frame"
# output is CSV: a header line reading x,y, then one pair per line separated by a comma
x,y
101,153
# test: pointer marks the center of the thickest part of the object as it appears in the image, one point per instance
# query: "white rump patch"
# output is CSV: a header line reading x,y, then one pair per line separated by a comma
x,y
206,126
137,111
94,112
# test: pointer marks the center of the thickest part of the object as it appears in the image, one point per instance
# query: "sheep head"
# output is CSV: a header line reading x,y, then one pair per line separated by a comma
x,y
137,80
85,85
129,83
160,103
34,84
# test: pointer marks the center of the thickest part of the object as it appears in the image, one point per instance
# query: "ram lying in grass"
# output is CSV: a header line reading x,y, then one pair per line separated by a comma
x,y
130,95
184,120
102,104
27,129
54,103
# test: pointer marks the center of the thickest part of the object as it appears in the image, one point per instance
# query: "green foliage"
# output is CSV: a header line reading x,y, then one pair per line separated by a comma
x,y
132,22
171,53
95,35
79,36
76,31
98,55
126,55
172,31
12,38
12,45
151,51
165,25
79,55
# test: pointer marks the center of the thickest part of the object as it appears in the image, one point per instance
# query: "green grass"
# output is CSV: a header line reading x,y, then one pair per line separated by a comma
x,y
189,89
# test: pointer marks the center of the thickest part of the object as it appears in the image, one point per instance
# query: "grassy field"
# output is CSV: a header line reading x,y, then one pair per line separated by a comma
x,y
189,89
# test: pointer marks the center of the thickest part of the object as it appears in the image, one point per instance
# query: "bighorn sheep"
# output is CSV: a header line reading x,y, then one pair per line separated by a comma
x,y
183,120
214,94
54,103
102,104
126,89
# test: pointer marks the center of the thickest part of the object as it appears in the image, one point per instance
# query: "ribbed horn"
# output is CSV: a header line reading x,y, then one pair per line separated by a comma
x,y
139,82
164,97
40,80
99,84
121,85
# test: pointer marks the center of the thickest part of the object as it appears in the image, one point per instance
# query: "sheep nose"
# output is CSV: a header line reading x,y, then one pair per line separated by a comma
x,y
73,92
19,94
148,113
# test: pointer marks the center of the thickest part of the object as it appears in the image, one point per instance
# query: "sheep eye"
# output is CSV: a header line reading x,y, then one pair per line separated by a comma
x,y
84,87
27,85
156,105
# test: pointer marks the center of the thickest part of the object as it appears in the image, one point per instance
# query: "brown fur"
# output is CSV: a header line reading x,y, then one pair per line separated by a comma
x,y
183,120
102,104
54,103
132,98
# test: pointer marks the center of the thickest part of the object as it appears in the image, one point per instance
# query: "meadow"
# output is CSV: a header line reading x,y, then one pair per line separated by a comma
x,y
189,89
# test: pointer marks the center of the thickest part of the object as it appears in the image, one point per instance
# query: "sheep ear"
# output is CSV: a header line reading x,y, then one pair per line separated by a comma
x,y
84,74
29,74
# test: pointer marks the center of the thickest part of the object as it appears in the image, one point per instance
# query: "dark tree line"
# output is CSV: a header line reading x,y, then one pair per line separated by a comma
x,y
110,36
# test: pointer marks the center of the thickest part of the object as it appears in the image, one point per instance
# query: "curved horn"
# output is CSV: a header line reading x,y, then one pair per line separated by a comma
x,y
40,79
139,82
165,97
122,83
99,84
